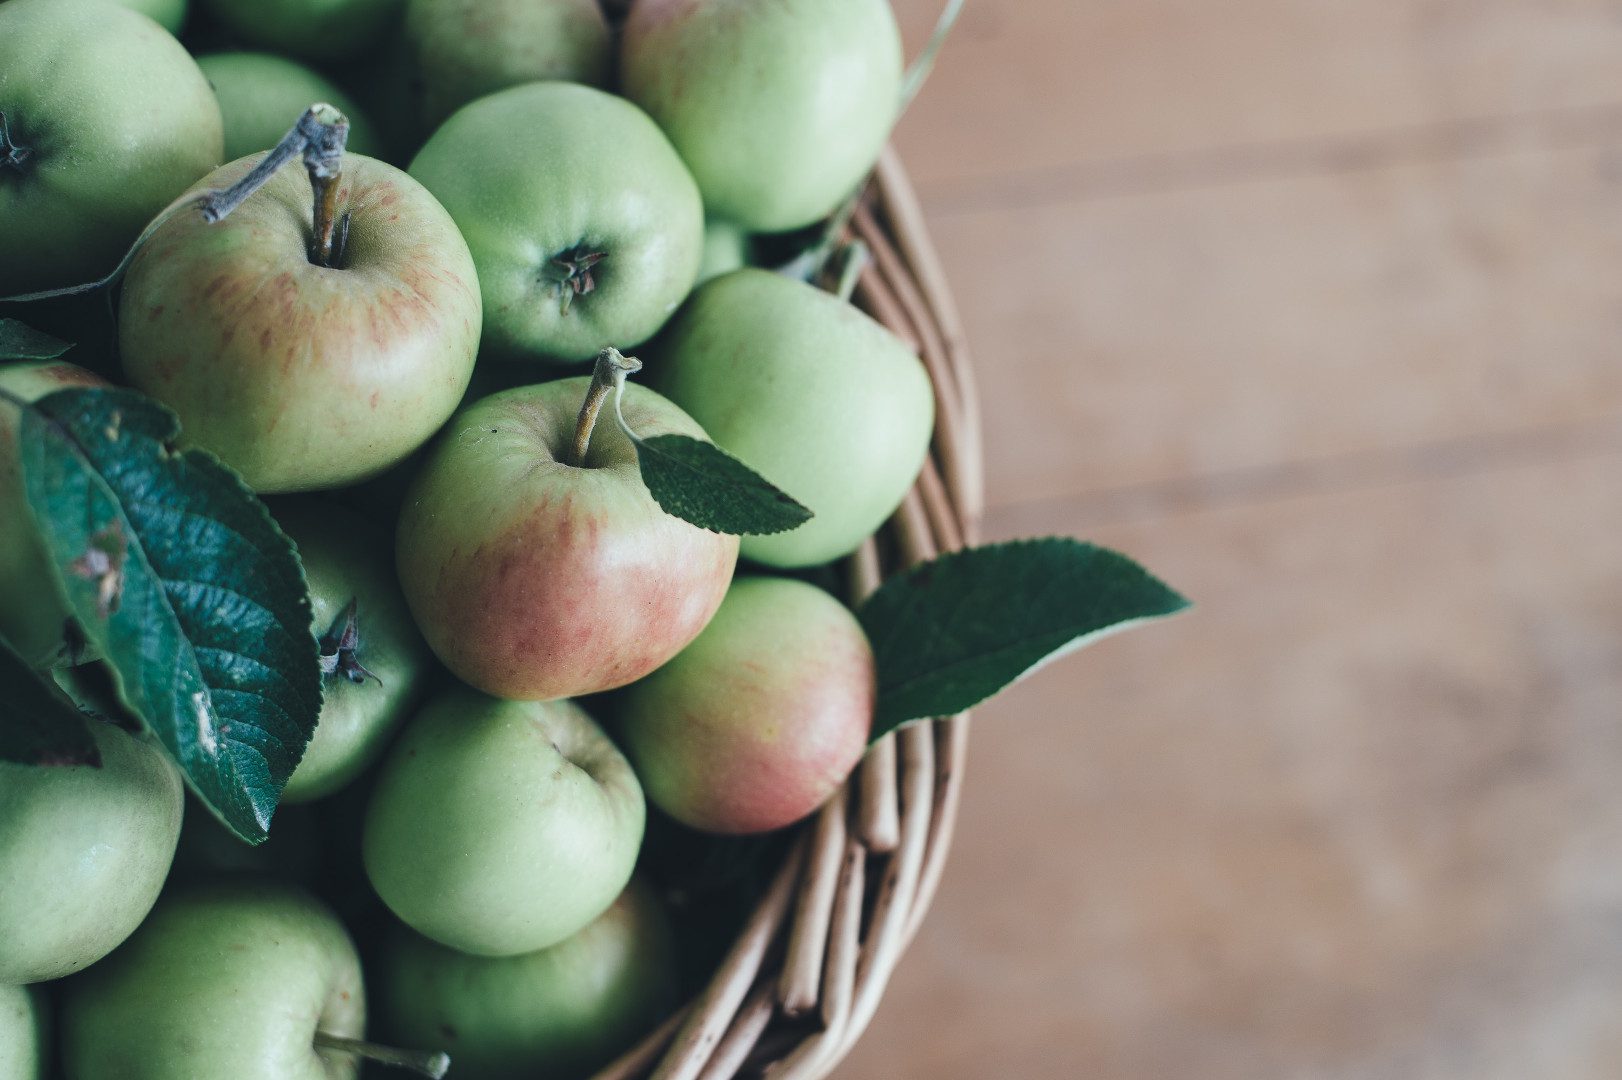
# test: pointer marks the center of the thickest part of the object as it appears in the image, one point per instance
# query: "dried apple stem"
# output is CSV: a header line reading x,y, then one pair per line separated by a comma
x,y
430,1063
856,259
606,378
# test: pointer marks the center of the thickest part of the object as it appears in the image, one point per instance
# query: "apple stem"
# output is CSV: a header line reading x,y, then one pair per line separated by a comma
x,y
857,257
921,67
607,376
319,135
430,1063
10,153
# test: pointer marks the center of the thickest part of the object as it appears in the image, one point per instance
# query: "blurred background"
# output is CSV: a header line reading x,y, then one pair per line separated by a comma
x,y
1312,306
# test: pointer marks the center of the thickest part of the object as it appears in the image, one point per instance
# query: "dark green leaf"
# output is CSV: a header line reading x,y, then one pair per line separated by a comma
x,y
701,483
19,341
39,725
191,592
951,633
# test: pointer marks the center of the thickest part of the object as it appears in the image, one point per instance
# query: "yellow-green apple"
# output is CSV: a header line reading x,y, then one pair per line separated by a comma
x,y
810,393
106,120
302,376
231,979
374,661
585,226
501,827
559,1012
774,143
465,49
83,854
761,718
34,610
261,93
534,576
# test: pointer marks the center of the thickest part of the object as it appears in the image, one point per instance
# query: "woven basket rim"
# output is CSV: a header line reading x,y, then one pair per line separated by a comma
x,y
804,978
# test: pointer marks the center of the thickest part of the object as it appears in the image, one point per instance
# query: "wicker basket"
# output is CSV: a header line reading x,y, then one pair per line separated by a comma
x,y
805,976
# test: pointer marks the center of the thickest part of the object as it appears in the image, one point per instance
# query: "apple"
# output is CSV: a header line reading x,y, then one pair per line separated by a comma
x,y
260,95
233,979
536,578
308,29
34,611
107,120
502,827
83,854
810,393
377,678
168,14
761,718
559,1012
24,1033
584,224
726,248
774,143
465,49
302,376
208,850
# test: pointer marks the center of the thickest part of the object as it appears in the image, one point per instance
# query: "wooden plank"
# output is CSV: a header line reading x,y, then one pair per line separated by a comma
x,y
1313,320
1355,817
1042,88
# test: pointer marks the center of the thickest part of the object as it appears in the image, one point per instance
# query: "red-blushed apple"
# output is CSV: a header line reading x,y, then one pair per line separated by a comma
x,y
559,1012
760,719
502,827
33,607
302,376
535,578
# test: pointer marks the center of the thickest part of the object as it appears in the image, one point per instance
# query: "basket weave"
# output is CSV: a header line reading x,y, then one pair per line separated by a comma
x,y
804,978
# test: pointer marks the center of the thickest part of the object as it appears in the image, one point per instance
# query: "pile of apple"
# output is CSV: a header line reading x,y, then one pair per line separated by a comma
x,y
402,379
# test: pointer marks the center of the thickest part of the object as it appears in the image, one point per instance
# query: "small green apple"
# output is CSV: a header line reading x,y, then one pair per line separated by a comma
x,y
308,29
301,376
809,392
83,854
465,49
106,120
535,578
779,109
168,14
761,718
585,226
378,673
726,248
230,980
24,1033
556,1014
500,827
34,610
261,94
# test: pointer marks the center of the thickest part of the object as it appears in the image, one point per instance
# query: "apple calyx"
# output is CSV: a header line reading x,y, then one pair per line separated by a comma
x,y
339,648
571,273
11,154
607,377
433,1064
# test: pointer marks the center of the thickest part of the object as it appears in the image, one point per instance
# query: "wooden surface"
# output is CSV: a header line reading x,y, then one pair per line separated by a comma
x,y
1315,307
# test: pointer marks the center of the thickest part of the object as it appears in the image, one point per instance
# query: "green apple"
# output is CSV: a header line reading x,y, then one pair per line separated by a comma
x,y
778,109
465,49
810,393
550,1015
107,120
34,610
308,29
302,376
24,1033
83,854
761,718
168,14
501,827
378,676
260,96
208,850
584,224
535,578
227,980
726,248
